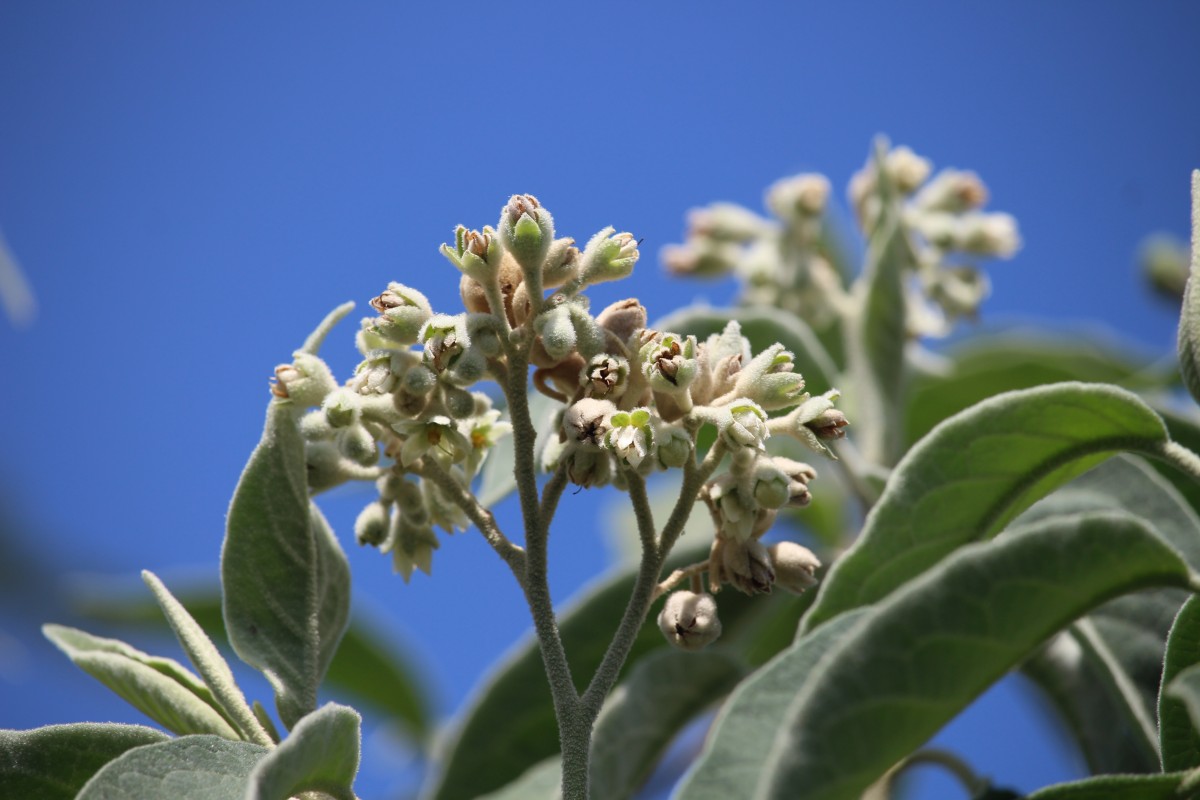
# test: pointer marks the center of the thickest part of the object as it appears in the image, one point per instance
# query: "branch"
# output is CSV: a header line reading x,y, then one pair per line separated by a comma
x,y
512,554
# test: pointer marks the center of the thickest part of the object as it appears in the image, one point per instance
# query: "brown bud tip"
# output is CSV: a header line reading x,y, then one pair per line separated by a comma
x,y
795,566
689,620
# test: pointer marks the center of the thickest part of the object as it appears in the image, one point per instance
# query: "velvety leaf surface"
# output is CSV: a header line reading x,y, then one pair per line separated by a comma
x,y
285,578
365,667
540,782
738,744
1189,319
645,712
922,655
53,763
516,698
321,754
974,473
189,768
1177,702
763,327
1116,787
160,688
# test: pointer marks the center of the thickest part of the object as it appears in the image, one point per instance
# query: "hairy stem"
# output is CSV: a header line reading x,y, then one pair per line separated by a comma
x,y
1181,457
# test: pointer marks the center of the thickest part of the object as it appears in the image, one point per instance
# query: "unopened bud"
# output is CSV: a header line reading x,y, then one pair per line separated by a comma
x,y
726,222
459,403
411,545
586,420
952,190
689,620
371,526
557,331
674,446
357,444
795,566
829,424
562,262
403,311
527,231
608,257
798,196
342,407
305,381
991,235
769,379
745,564
668,361
623,318
605,377
799,476
906,169
476,254
771,487
700,258
588,466
746,425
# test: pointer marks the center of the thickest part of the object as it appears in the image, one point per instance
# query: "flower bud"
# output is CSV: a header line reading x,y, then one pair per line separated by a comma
x,y
623,318
342,407
799,476
816,419
799,196
726,222
587,420
356,443
668,361
459,403
991,235
954,191
562,263
557,330
605,377
674,446
906,169
746,425
608,257
305,381
590,338
959,290
769,485
527,231
631,436
736,512
476,254
700,258
795,566
689,620
769,379
419,380
314,427
371,526
402,313
324,466
588,466
745,564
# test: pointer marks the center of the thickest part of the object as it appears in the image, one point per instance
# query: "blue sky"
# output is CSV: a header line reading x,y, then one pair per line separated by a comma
x,y
190,188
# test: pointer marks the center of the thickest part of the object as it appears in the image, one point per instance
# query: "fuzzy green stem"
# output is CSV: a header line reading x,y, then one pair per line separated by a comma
x,y
1180,457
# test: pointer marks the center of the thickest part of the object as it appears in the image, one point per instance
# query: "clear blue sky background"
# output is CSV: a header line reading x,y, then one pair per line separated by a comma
x,y
191,187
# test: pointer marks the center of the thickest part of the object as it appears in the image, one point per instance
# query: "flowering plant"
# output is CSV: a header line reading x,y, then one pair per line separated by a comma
x,y
974,523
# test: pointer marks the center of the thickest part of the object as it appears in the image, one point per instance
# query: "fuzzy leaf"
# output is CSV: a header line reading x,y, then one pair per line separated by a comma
x,y
542,781
160,688
974,473
1178,700
737,747
923,654
1115,787
1189,318
53,763
189,768
321,754
646,710
285,578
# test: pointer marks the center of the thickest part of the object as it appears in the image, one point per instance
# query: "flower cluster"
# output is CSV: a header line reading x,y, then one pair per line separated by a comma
x,y
790,261
633,401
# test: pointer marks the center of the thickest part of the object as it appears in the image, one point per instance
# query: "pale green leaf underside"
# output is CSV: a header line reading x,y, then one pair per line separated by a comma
x,y
53,763
976,471
1177,735
645,712
542,781
160,688
286,581
321,754
190,768
1115,787
922,655
1189,319
737,747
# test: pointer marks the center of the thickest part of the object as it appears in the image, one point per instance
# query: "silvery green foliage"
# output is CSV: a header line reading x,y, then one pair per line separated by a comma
x,y
995,530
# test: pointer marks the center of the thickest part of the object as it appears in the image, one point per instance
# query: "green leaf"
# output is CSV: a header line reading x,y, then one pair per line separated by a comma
x,y
321,754
542,781
364,668
285,578
737,747
1189,318
1184,429
878,341
922,655
1115,787
763,327
646,711
516,699
160,688
986,366
53,763
205,657
974,473
190,768
1177,700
